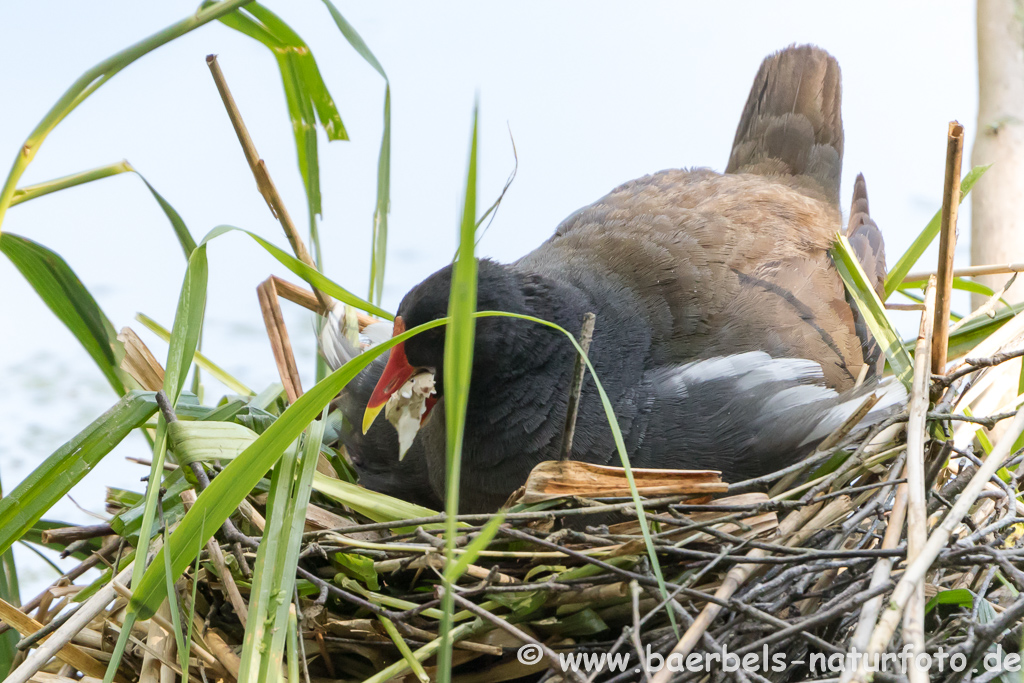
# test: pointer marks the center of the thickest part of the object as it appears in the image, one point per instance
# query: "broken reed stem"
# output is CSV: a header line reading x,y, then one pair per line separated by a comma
x,y
947,245
264,183
917,435
916,570
306,299
69,534
89,610
880,576
971,271
280,343
586,336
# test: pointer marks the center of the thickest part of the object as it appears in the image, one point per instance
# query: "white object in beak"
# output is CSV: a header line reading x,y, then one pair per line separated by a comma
x,y
406,407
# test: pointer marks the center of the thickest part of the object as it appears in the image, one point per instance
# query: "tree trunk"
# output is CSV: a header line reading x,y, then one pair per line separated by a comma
x,y
997,202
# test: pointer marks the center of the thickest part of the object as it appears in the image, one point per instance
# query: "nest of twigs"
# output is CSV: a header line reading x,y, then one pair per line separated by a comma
x,y
876,543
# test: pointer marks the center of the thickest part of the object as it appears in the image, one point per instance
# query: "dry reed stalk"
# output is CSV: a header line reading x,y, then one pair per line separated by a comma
x,y
917,425
162,646
225,653
569,431
280,344
195,648
947,245
971,271
139,361
559,478
264,182
69,534
880,576
188,499
306,299
68,653
917,569
252,515
67,631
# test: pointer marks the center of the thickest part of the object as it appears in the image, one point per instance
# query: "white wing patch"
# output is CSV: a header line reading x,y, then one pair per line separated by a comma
x,y
750,369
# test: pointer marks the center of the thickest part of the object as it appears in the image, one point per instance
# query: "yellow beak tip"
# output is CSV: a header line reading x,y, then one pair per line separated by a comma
x,y
369,416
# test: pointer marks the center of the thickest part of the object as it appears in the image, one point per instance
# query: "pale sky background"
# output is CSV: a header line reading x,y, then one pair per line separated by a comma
x,y
594,93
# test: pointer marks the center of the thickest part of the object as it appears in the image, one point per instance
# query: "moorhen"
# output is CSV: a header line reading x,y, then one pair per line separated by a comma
x,y
724,337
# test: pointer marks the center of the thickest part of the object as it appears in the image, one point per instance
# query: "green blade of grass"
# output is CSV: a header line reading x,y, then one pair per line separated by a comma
x,y
458,368
11,593
172,603
354,39
310,275
216,371
65,295
239,477
188,321
188,325
872,309
90,81
404,649
380,212
259,23
293,645
927,236
24,194
264,596
313,83
49,482
958,283
376,506
378,253
278,555
188,244
975,331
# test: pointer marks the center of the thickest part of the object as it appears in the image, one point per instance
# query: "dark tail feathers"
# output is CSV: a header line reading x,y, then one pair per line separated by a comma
x,y
791,124
867,243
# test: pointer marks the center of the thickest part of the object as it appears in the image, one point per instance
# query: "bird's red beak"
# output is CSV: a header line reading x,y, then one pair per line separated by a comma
x,y
396,373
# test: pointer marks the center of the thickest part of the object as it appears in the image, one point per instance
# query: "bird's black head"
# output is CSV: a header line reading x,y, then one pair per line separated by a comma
x,y
499,288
